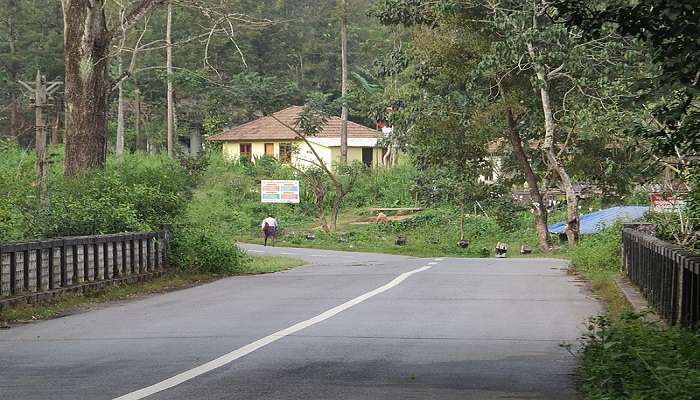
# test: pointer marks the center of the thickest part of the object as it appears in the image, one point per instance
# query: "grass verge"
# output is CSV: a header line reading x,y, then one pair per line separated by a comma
x,y
624,356
269,264
430,233
171,282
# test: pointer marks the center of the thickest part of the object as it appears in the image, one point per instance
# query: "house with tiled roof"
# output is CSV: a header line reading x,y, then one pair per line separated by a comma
x,y
273,136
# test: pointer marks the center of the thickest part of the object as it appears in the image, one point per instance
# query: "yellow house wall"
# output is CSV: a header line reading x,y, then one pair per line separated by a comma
x,y
303,156
302,153
355,154
232,150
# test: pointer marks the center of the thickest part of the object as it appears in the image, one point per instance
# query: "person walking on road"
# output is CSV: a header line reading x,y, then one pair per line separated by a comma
x,y
269,228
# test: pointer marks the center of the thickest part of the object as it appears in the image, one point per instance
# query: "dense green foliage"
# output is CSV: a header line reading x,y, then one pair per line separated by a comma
x,y
137,194
598,255
18,196
636,359
669,29
273,54
196,247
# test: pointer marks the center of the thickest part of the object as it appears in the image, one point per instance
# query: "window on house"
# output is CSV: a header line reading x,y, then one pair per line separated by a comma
x,y
270,149
246,150
285,152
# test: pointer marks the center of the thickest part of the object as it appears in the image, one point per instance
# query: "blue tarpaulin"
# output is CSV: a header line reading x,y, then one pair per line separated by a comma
x,y
596,221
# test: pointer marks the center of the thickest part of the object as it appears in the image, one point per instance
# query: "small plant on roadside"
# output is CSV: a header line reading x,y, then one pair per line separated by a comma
x,y
598,253
198,248
637,359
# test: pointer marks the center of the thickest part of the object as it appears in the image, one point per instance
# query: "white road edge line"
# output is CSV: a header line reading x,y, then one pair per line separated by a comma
x,y
247,349
440,259
432,263
256,251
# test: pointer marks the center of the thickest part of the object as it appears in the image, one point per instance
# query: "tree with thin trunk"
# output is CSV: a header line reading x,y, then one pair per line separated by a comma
x,y
170,88
344,81
309,123
11,67
122,76
537,204
569,72
87,44
137,105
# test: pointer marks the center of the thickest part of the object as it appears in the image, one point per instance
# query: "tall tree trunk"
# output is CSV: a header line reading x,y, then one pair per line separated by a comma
x,y
12,33
319,190
170,88
572,215
337,204
120,103
386,159
539,208
56,127
461,221
13,115
86,42
140,139
344,82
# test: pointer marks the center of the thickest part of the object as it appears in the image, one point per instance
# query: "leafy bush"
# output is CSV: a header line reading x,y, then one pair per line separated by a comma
x,y
87,206
136,194
636,359
598,253
678,228
198,248
508,213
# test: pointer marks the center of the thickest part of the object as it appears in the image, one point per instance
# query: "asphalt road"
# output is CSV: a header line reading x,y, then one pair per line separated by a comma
x,y
345,326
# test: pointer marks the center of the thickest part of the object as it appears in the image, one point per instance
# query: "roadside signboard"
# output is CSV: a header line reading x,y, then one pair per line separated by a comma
x,y
279,192
666,203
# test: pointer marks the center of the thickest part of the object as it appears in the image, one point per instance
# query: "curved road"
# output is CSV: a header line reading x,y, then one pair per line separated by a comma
x,y
345,326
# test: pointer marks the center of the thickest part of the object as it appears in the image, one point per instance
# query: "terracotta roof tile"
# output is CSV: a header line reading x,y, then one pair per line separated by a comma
x,y
268,128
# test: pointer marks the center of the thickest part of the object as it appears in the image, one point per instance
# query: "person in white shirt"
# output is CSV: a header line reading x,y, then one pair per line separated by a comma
x,y
269,228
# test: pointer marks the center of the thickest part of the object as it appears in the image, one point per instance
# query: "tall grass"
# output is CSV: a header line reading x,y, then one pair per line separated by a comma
x,y
598,255
384,187
17,190
636,359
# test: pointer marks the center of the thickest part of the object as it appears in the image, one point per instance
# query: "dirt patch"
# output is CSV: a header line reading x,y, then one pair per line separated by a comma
x,y
390,218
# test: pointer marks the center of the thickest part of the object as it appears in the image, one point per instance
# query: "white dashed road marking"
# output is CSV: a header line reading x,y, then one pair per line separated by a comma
x,y
245,350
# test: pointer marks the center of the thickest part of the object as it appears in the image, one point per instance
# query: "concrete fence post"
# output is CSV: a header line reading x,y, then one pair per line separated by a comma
x,y
5,260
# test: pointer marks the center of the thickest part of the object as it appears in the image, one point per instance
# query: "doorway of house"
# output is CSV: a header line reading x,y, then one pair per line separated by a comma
x,y
367,153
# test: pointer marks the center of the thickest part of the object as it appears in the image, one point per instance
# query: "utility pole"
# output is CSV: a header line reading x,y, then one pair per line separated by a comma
x,y
40,94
